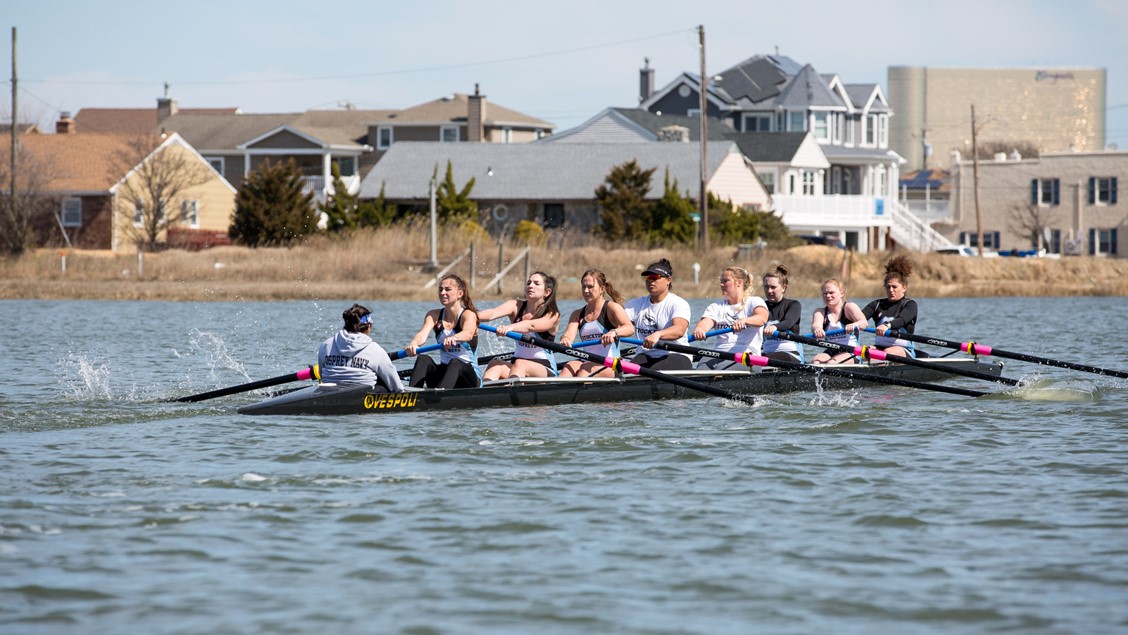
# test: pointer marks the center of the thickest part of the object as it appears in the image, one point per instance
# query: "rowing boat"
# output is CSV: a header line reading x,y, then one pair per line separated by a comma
x,y
329,399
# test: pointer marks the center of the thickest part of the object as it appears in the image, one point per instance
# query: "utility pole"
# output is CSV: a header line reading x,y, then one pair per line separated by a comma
x,y
703,198
975,180
12,158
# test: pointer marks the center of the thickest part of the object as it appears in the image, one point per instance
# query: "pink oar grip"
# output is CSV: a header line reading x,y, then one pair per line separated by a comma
x,y
630,367
305,373
871,352
753,360
976,349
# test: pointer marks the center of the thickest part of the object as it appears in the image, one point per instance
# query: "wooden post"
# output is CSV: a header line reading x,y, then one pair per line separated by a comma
x,y
500,265
473,265
528,262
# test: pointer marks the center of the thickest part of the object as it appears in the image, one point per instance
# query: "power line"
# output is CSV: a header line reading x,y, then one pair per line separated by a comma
x,y
408,71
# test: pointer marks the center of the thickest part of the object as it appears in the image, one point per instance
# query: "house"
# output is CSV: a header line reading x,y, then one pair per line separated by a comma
x,y
855,195
85,179
237,144
1066,203
454,119
554,183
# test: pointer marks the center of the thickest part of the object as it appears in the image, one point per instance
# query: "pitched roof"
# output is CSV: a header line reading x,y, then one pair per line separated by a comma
x,y
217,133
758,77
768,147
82,162
130,120
807,88
527,171
454,109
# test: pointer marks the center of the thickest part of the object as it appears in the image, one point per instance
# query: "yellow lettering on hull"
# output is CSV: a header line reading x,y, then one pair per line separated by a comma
x,y
392,401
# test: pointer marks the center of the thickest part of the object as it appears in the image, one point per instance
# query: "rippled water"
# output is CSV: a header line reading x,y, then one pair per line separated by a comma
x,y
878,510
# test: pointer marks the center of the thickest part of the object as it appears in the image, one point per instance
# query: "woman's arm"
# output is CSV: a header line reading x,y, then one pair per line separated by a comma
x,y
623,326
573,329
429,321
505,309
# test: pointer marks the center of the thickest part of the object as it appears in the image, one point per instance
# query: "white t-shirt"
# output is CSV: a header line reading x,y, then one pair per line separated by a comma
x,y
749,340
649,318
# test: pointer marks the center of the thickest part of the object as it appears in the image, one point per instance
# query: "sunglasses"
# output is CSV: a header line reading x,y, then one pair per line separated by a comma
x,y
651,277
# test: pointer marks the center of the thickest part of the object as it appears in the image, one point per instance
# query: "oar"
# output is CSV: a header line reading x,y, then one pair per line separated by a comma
x,y
759,360
311,372
976,348
406,372
869,352
402,353
729,330
619,364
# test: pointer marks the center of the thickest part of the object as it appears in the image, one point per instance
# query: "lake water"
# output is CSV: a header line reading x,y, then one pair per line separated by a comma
x,y
884,510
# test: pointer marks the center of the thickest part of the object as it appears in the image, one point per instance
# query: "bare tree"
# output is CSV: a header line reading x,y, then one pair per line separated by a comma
x,y
26,208
157,174
1031,220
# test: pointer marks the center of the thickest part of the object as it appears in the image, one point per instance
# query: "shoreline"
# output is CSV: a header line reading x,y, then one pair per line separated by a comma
x,y
391,265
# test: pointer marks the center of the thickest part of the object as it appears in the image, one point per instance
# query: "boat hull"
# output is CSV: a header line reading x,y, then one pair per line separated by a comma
x,y
329,399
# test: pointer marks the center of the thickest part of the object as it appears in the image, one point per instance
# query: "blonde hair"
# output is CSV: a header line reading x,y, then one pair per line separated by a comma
x,y
741,274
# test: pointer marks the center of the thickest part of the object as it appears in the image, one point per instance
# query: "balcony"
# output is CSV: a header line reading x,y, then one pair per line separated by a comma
x,y
320,188
835,211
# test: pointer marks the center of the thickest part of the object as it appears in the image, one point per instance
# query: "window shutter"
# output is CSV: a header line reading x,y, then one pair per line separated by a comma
x,y
1092,240
963,238
1057,191
995,236
1034,191
1092,190
1112,191
1112,241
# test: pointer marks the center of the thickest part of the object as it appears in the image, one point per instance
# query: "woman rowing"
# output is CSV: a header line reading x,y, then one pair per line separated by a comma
x,y
740,310
602,318
455,326
784,315
660,315
536,314
836,314
896,311
351,358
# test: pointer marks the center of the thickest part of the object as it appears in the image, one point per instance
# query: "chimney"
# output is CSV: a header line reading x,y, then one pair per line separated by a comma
x,y
166,106
645,81
476,117
673,134
65,125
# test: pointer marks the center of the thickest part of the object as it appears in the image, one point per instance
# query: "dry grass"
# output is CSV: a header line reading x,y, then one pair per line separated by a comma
x,y
391,264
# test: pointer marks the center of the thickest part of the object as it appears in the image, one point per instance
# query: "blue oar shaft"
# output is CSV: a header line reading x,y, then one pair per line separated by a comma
x,y
402,353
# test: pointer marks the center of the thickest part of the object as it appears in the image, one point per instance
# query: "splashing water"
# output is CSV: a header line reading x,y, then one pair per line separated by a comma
x,y
85,379
215,351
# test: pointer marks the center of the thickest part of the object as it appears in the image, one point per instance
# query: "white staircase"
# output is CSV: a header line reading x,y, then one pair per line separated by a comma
x,y
912,233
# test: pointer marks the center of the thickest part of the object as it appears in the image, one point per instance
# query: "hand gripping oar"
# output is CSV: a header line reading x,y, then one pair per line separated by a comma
x,y
311,372
619,364
759,360
869,352
976,348
402,353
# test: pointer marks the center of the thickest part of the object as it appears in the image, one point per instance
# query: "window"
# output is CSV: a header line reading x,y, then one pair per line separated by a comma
x,y
553,215
797,120
851,123
346,165
384,138
1102,241
1053,245
757,123
1102,190
693,112
138,214
822,131
190,213
870,127
1045,192
808,182
448,134
72,212
769,181
883,131
990,239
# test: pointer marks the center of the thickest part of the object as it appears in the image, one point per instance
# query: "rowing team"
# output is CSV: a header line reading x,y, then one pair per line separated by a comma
x,y
750,324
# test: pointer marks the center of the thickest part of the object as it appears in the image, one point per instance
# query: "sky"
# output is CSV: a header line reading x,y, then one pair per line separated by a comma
x,y
561,61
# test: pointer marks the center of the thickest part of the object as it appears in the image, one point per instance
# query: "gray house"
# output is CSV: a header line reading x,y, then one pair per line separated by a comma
x,y
554,184
857,192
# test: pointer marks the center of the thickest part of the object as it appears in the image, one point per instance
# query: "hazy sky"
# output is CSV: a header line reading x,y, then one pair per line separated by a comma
x,y
560,61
